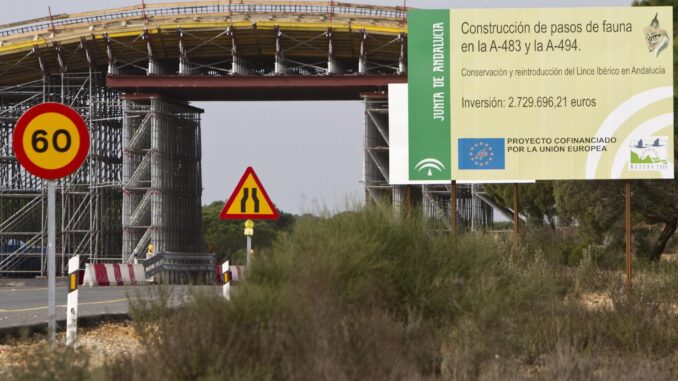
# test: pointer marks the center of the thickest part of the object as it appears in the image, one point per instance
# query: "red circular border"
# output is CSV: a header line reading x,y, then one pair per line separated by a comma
x,y
27,118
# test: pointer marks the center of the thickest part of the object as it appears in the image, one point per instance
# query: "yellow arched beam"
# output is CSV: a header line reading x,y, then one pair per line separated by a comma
x,y
345,27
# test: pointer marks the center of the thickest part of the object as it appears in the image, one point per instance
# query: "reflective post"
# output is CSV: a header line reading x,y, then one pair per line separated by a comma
x,y
72,303
226,278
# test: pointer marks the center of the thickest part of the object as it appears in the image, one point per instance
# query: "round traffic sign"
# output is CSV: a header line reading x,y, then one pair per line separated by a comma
x,y
51,140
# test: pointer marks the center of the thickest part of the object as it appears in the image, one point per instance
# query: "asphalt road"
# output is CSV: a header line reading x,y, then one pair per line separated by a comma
x,y
24,302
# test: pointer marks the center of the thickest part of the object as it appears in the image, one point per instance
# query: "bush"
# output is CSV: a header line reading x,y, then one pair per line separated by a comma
x,y
363,296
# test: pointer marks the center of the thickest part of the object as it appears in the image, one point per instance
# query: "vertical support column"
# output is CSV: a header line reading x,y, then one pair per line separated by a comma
x,y
162,176
112,64
516,211
333,66
453,210
153,65
362,60
238,65
402,61
158,167
375,148
184,63
280,66
127,131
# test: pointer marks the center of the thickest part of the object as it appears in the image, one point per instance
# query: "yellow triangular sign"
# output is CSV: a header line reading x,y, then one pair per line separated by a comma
x,y
249,201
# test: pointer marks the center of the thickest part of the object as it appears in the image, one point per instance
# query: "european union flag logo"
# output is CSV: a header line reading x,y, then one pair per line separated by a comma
x,y
481,154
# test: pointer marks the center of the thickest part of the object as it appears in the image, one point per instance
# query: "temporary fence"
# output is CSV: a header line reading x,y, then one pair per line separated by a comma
x,y
100,274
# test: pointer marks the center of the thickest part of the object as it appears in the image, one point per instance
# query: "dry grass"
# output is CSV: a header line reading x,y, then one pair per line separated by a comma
x,y
362,297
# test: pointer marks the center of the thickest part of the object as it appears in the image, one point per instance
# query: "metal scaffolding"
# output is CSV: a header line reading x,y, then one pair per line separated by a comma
x,y
472,212
162,183
90,201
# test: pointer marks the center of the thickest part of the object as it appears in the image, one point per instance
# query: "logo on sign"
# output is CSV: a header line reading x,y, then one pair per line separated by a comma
x,y
649,154
481,153
430,164
657,38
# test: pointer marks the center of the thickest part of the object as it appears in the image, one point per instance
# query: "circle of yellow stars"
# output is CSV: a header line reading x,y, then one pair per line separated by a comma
x,y
481,154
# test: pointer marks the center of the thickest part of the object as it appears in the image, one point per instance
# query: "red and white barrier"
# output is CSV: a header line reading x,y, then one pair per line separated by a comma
x,y
107,274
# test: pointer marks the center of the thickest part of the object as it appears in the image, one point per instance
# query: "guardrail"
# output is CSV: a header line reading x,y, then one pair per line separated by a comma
x,y
180,268
198,9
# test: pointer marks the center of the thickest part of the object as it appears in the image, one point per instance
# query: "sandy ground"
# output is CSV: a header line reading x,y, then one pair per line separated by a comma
x,y
103,341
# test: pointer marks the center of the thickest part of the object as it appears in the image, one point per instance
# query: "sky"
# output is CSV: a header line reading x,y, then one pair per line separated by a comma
x,y
308,155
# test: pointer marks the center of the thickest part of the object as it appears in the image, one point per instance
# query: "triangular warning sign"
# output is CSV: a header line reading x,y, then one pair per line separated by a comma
x,y
249,201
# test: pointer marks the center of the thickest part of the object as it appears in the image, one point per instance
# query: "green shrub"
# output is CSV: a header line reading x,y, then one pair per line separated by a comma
x,y
363,295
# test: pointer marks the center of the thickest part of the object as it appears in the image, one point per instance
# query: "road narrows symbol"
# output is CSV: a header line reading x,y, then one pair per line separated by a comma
x,y
256,200
245,197
249,200
243,202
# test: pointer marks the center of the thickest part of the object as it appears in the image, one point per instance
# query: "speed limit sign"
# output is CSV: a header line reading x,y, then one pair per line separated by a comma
x,y
51,140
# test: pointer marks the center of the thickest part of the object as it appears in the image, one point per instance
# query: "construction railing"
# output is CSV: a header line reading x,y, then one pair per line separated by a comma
x,y
204,7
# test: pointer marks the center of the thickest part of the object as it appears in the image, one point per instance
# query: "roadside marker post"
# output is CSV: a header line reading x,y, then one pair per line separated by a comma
x,y
72,304
226,277
51,141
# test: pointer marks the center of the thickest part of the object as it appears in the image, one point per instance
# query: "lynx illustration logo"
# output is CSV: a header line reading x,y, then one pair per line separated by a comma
x,y
657,38
648,154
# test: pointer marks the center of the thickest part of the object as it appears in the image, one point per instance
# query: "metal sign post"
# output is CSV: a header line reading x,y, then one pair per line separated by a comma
x,y
51,260
628,236
249,232
516,211
453,210
51,141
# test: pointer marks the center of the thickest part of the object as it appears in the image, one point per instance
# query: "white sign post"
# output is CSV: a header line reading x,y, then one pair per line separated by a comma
x,y
72,305
226,272
249,232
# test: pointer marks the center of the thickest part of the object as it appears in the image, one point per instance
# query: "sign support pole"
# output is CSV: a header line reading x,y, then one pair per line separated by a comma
x,y
409,201
629,274
51,260
453,210
249,251
516,211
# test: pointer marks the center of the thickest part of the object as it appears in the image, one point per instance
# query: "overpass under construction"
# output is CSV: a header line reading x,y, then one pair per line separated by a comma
x,y
132,73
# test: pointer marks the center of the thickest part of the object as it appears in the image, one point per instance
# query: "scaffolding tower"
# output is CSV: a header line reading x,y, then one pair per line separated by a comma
x,y
162,182
89,200
435,200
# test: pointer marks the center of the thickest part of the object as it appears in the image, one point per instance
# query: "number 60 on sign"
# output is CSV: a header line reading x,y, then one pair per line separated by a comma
x,y
51,140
